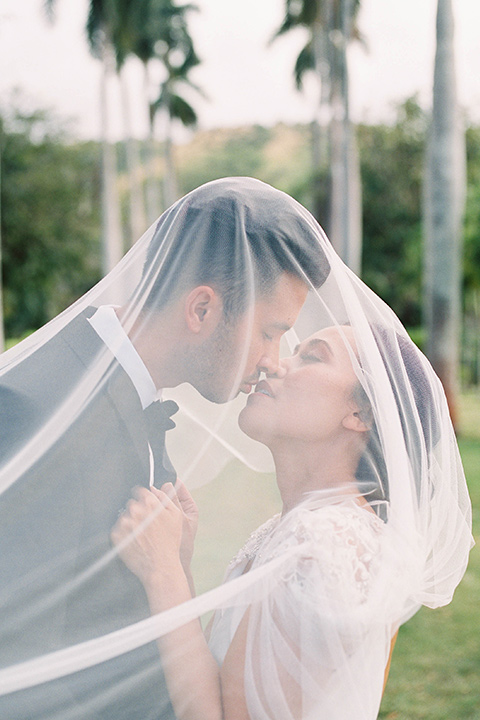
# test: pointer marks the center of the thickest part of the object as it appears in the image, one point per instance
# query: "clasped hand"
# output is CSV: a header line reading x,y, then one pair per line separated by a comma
x,y
156,532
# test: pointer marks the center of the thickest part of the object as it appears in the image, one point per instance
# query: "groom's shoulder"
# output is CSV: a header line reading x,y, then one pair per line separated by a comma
x,y
53,365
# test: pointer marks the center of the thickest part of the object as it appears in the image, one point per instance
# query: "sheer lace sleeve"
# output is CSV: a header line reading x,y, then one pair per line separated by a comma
x,y
313,637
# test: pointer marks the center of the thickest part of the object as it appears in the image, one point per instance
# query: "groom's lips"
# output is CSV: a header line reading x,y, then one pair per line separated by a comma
x,y
246,387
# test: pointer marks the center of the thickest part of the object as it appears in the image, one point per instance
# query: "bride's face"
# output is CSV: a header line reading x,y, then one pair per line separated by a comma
x,y
311,398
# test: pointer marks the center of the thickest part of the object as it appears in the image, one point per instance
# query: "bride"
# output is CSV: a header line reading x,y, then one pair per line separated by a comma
x,y
314,643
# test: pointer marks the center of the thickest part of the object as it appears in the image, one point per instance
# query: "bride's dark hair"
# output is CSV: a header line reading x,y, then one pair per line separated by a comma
x,y
410,376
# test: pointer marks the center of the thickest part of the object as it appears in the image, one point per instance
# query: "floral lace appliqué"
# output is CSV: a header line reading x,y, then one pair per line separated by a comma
x,y
250,550
341,541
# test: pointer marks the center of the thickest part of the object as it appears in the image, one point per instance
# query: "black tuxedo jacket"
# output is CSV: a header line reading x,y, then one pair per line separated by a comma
x,y
56,586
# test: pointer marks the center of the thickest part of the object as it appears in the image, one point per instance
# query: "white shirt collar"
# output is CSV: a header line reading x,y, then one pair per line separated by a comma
x,y
108,327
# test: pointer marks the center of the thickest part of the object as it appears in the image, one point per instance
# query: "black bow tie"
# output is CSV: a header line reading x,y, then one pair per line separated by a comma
x,y
158,415
157,419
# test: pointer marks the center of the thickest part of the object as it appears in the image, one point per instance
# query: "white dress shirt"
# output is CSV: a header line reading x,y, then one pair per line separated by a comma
x,y
108,327
106,324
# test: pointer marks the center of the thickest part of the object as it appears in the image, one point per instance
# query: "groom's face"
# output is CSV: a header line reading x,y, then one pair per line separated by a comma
x,y
238,351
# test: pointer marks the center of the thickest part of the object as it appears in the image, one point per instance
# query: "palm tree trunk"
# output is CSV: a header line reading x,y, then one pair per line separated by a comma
x,y
444,206
345,198
351,162
2,333
320,125
170,192
137,219
112,244
152,187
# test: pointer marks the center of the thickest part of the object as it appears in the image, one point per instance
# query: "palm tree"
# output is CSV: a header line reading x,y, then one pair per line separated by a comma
x,y
135,174
178,57
331,27
159,34
445,188
124,19
102,23
153,31
345,190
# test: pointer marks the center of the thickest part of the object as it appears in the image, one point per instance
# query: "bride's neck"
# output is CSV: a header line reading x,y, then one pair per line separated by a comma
x,y
301,468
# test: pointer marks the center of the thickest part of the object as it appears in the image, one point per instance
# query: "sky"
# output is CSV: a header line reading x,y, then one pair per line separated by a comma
x,y
245,79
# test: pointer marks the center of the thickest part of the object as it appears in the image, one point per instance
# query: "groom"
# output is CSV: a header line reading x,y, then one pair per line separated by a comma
x,y
226,274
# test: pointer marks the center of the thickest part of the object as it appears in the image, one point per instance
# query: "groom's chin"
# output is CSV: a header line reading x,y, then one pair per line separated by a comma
x,y
218,396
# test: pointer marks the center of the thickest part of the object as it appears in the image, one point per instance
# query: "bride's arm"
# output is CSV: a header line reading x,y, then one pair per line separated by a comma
x,y
148,537
191,673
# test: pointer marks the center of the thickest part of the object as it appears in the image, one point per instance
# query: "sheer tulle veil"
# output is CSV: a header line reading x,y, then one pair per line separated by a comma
x,y
328,583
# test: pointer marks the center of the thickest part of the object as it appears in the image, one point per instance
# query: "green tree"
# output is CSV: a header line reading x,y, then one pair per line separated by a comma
x,y
392,164
50,221
2,328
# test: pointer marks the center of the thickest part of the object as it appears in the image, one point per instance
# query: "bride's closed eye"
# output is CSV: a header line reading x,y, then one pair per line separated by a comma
x,y
311,357
315,351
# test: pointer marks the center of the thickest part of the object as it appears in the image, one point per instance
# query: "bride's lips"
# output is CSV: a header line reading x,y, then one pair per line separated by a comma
x,y
263,388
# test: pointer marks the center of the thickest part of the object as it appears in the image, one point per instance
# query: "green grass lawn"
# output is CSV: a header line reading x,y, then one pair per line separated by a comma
x,y
435,671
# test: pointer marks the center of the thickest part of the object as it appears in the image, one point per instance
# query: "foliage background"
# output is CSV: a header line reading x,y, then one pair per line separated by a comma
x,y
51,215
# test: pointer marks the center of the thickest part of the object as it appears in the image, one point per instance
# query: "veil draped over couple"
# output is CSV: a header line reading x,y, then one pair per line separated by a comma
x,y
230,334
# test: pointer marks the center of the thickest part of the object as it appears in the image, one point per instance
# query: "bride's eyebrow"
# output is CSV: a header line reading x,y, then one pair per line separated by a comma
x,y
314,342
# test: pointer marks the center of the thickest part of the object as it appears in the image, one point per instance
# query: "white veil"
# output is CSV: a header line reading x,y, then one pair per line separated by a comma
x,y
328,583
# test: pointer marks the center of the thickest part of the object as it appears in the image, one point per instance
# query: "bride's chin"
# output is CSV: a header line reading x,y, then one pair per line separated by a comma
x,y
250,424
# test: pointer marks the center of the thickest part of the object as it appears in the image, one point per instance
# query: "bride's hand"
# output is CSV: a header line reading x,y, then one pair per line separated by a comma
x,y
189,509
148,534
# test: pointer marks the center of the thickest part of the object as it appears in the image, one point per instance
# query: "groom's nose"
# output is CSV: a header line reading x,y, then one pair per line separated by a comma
x,y
280,371
268,364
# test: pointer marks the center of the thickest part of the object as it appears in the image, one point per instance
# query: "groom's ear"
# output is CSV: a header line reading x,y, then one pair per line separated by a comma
x,y
203,310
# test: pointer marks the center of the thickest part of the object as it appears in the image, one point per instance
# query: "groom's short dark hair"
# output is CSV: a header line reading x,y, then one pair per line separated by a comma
x,y
227,231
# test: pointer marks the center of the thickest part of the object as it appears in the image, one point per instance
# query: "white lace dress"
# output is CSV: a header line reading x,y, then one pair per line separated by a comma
x,y
317,639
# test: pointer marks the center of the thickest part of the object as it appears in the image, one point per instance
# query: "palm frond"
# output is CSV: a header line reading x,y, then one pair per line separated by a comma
x,y
176,106
49,7
305,61
181,110
96,27
298,13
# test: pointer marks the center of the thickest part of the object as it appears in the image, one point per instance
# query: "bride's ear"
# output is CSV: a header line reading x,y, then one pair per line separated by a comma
x,y
354,421
203,310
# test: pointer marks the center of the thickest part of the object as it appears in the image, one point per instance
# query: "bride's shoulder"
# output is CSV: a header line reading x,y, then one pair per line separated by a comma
x,y
338,522
341,543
